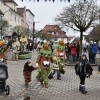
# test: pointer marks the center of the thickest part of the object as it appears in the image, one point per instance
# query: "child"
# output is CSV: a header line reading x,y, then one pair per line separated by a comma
x,y
28,68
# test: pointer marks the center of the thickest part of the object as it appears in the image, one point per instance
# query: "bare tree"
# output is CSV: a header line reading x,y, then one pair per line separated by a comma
x,y
79,16
20,30
5,26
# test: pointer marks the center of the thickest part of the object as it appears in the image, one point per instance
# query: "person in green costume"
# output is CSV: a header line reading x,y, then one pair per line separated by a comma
x,y
44,60
59,59
3,48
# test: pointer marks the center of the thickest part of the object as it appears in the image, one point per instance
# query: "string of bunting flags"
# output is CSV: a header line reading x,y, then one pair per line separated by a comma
x,y
51,0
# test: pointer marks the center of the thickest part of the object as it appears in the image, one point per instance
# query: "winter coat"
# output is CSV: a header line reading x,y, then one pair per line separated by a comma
x,y
78,48
95,48
90,48
83,68
73,50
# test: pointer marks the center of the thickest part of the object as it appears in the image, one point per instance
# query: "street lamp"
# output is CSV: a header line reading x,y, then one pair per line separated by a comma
x,y
1,15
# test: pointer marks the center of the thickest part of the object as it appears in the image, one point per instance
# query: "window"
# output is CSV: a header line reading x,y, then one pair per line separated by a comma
x,y
52,33
18,19
11,16
15,18
57,33
48,32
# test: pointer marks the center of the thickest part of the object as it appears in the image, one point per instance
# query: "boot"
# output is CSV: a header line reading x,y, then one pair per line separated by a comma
x,y
26,84
58,78
80,88
83,89
46,85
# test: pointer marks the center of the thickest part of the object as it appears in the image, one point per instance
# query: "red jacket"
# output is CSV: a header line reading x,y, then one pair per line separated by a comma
x,y
73,50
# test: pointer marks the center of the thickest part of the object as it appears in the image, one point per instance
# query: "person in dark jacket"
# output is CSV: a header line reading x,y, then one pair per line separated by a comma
x,y
83,69
94,52
68,51
90,53
78,51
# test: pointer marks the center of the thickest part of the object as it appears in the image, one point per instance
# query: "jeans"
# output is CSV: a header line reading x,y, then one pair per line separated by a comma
x,y
90,58
99,49
93,57
82,79
78,56
74,58
67,55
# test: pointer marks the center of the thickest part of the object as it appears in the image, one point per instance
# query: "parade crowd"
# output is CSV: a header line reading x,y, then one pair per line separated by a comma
x,y
51,59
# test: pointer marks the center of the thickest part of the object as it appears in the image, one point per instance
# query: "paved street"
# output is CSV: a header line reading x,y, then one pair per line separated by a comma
x,y
66,89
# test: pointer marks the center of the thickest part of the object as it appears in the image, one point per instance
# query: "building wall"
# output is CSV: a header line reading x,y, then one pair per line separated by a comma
x,y
11,16
12,5
23,19
29,21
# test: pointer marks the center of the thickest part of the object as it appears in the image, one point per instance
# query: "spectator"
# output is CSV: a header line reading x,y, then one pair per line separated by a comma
x,y
94,51
85,48
99,46
73,52
77,51
68,51
90,52
83,69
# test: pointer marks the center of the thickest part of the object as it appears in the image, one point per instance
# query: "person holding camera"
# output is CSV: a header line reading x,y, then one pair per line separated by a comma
x,y
83,69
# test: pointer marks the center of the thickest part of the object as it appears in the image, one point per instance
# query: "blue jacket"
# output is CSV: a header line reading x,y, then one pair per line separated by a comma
x,y
95,48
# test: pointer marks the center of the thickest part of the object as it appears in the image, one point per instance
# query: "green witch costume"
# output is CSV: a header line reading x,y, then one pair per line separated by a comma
x,y
3,48
58,60
44,60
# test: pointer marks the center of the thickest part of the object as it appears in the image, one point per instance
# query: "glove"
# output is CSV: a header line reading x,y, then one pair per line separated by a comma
x,y
37,65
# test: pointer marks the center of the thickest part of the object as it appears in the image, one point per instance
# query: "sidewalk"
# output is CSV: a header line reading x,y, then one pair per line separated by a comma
x,y
65,89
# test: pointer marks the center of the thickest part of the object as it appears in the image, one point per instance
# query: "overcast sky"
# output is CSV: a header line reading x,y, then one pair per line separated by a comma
x,y
45,12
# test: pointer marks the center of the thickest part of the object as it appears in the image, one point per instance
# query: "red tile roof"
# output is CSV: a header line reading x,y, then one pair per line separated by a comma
x,y
53,28
20,11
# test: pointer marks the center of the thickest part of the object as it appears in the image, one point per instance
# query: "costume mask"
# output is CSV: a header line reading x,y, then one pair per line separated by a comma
x,y
30,64
46,46
1,43
61,42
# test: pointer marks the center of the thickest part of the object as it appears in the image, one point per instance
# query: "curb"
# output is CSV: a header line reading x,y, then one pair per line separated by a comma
x,y
75,64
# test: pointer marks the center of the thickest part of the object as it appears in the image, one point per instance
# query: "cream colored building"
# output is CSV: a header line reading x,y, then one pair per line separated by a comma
x,y
30,21
9,8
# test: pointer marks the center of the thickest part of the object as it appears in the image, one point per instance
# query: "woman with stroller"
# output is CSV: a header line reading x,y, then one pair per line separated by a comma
x,y
83,69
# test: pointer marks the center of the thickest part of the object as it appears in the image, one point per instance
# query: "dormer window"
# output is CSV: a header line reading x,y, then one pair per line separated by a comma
x,y
15,18
48,32
57,33
52,33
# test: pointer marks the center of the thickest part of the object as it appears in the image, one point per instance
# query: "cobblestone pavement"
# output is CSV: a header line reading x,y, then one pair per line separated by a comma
x,y
16,80
64,89
67,88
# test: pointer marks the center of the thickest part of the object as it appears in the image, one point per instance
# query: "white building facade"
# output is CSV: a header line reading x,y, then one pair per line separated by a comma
x,y
10,15
30,22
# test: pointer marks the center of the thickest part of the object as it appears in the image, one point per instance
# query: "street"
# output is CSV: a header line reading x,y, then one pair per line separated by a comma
x,y
64,89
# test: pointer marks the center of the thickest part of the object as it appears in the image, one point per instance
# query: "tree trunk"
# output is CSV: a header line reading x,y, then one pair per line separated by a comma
x,y
81,39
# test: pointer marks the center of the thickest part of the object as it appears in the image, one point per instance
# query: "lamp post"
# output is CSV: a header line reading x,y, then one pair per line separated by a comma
x,y
1,15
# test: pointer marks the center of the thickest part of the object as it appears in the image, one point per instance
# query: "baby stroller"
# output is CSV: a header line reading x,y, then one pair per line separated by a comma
x,y
3,78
